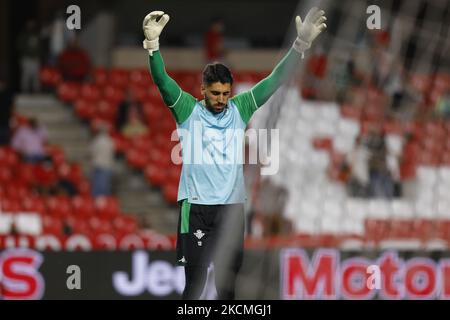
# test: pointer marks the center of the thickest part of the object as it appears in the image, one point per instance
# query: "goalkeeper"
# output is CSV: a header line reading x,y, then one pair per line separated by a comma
x,y
211,192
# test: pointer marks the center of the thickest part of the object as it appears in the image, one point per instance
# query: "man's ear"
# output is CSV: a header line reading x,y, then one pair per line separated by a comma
x,y
202,89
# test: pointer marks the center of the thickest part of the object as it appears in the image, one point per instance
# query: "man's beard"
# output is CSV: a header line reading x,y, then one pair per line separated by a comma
x,y
213,109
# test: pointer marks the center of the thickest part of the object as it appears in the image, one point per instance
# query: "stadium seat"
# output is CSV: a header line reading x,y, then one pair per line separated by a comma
x,y
6,222
424,209
68,91
100,76
126,224
83,206
98,225
118,77
52,225
443,208
90,92
107,207
59,206
379,209
137,158
402,209
28,224
10,205
154,174
113,94
34,204
49,77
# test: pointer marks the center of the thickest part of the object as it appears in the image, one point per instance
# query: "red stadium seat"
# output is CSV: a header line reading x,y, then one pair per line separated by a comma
x,y
139,92
137,159
17,190
428,159
57,154
121,143
25,173
68,91
8,157
105,110
107,207
49,77
6,175
90,92
424,229
155,175
376,229
170,192
118,77
401,229
98,225
174,173
323,143
83,206
100,76
84,109
84,188
445,159
10,205
443,229
125,224
113,94
141,77
34,204
45,175
78,226
52,225
59,206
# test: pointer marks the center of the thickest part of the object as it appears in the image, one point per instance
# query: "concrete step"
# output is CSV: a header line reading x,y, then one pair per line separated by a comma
x,y
34,101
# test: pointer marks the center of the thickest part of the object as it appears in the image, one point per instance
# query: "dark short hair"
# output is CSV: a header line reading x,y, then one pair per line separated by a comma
x,y
217,72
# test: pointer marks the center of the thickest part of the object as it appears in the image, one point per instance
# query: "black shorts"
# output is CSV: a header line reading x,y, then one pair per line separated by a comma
x,y
210,233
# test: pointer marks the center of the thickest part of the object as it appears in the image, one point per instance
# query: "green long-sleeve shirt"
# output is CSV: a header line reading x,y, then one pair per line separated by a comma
x,y
182,103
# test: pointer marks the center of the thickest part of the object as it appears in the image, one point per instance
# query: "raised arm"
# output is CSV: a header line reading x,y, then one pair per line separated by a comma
x,y
307,31
248,102
180,103
170,90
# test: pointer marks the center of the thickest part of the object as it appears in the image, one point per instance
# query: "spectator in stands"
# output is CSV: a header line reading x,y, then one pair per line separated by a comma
x,y
358,161
57,35
252,173
404,98
269,206
123,110
29,140
64,184
381,70
6,109
134,126
213,41
346,76
381,182
102,152
74,63
29,50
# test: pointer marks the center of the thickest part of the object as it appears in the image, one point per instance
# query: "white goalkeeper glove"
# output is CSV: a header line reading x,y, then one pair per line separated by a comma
x,y
309,29
152,29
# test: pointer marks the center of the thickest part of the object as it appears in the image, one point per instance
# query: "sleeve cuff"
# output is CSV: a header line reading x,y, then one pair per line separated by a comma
x,y
301,46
